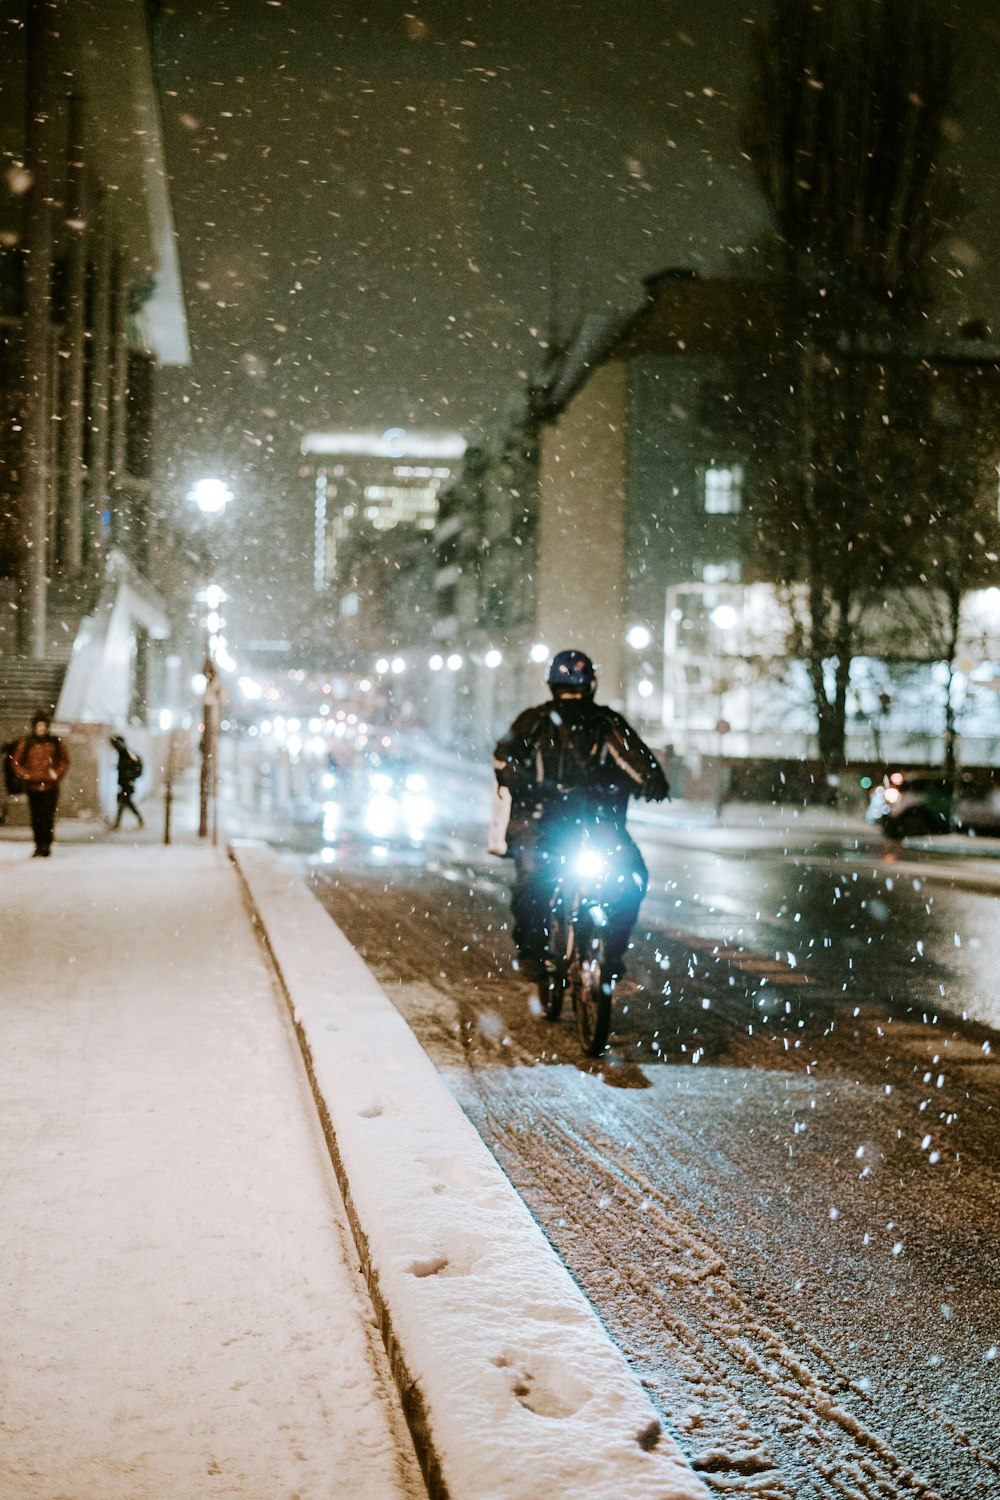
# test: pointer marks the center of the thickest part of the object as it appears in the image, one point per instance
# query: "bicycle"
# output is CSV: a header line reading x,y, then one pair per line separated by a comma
x,y
574,963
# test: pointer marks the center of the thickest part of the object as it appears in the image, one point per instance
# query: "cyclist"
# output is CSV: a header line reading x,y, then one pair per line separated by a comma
x,y
572,763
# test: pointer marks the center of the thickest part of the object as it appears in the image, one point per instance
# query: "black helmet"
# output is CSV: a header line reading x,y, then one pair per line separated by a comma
x,y
572,672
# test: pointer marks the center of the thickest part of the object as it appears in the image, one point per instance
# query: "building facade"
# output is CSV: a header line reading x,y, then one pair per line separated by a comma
x,y
90,305
668,455
485,660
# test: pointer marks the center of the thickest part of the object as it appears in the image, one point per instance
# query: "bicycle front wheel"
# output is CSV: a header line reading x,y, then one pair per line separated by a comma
x,y
553,984
591,993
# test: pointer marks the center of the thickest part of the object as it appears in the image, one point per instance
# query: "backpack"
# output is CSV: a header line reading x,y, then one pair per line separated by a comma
x,y
132,767
12,782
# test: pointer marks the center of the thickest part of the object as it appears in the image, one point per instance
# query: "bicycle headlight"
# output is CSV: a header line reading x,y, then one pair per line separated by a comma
x,y
590,864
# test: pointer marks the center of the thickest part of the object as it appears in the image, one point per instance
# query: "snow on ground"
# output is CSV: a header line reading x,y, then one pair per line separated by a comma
x,y
182,1311
810,1325
515,1385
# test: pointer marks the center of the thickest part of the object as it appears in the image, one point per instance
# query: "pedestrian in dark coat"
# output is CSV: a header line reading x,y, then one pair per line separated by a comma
x,y
40,761
129,771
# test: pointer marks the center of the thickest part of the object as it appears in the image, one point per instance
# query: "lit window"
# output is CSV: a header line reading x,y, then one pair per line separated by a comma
x,y
721,572
724,490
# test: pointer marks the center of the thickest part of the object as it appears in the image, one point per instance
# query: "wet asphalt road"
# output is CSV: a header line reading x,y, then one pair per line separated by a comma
x,y
779,1186
734,916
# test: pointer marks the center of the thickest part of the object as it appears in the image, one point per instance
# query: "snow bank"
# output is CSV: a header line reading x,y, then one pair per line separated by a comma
x,y
511,1386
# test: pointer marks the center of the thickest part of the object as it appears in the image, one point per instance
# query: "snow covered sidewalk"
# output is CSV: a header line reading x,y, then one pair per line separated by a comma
x,y
182,1311
512,1387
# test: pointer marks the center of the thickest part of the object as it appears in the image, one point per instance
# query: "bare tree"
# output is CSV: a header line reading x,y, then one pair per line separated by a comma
x,y
844,128
955,511
844,131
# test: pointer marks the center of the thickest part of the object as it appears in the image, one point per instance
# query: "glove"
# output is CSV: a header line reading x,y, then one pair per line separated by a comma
x,y
656,787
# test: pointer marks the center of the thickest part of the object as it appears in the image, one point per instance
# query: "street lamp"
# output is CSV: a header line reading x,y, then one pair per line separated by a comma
x,y
211,496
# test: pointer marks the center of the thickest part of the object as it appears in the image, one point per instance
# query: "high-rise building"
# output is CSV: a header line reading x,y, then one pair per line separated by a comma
x,y
365,484
374,504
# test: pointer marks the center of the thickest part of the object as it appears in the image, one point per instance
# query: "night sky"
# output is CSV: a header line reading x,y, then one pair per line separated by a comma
x,y
382,207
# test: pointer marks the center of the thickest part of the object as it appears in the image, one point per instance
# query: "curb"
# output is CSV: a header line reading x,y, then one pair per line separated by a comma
x,y
509,1382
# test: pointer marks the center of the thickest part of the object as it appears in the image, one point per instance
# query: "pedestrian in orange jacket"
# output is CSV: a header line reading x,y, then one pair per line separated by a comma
x,y
40,761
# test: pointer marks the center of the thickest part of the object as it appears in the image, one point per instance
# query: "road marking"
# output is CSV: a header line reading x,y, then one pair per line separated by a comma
x,y
775,970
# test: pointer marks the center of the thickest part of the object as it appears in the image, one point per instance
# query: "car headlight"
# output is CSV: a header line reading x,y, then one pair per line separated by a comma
x,y
417,810
381,814
331,820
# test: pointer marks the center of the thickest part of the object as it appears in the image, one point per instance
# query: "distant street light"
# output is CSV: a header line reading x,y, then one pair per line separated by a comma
x,y
724,617
639,637
211,496
493,658
539,652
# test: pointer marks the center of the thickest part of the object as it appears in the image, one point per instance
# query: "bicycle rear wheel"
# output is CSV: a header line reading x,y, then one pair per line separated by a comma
x,y
591,993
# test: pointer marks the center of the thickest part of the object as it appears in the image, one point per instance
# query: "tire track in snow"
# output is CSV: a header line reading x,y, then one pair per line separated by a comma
x,y
792,1363
765,1400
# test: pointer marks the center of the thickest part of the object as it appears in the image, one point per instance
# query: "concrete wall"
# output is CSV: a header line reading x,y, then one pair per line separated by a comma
x,y
581,533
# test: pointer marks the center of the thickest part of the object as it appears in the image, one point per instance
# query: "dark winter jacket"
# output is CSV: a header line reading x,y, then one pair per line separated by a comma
x,y
573,760
39,760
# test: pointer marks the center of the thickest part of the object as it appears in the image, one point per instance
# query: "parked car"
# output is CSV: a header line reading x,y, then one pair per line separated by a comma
x,y
911,804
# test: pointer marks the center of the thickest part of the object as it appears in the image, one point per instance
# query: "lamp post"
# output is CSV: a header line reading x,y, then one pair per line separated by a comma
x,y
725,618
211,496
638,679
